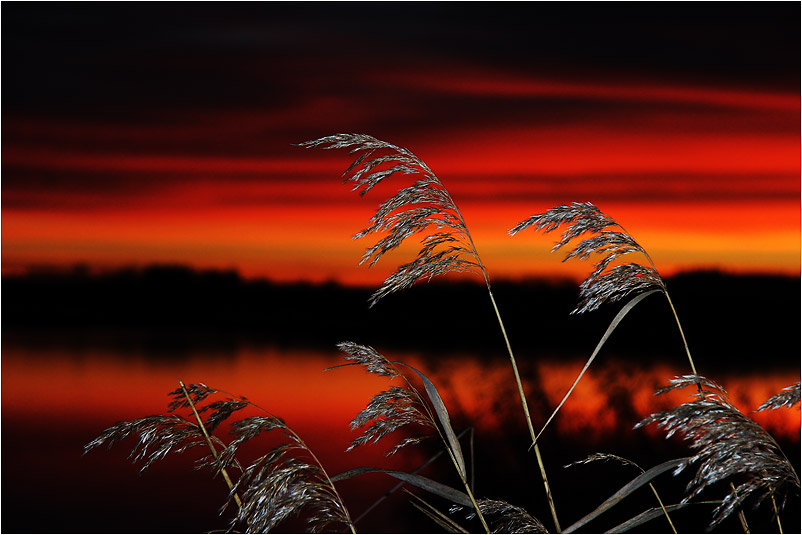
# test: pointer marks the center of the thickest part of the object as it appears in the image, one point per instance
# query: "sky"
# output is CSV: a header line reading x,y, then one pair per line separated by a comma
x,y
159,133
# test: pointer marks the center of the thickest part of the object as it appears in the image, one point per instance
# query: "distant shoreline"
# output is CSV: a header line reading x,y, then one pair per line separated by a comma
x,y
728,318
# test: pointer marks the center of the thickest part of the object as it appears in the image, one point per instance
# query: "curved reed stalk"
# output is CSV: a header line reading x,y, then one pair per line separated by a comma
x,y
209,441
424,207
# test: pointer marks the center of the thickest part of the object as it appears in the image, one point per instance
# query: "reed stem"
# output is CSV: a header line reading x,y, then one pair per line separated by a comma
x,y
526,410
741,515
681,333
673,311
518,382
663,507
776,513
209,442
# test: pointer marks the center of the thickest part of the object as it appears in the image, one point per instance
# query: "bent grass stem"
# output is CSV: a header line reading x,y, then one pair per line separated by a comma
x,y
518,382
526,410
209,442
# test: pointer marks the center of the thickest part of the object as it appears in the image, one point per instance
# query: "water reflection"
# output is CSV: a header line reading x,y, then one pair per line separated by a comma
x,y
55,400
97,385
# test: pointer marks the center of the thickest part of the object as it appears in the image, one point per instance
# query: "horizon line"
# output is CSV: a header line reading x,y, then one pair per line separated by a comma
x,y
88,270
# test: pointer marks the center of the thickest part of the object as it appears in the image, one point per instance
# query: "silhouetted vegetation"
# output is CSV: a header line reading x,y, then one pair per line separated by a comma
x,y
176,309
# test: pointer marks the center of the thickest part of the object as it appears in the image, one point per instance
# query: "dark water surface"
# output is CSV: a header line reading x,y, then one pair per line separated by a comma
x,y
56,399
81,352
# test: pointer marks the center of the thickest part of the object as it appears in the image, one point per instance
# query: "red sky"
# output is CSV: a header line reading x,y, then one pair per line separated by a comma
x,y
130,157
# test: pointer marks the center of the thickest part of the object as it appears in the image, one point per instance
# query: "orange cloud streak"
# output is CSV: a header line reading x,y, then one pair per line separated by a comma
x,y
711,182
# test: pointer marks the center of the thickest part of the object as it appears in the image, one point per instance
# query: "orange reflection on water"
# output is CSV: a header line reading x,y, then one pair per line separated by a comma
x,y
103,387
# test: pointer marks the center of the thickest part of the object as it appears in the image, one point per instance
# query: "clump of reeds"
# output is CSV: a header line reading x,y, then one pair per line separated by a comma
x,y
289,480
426,208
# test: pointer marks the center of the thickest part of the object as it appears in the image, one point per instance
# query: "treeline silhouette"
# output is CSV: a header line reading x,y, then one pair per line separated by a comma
x,y
172,310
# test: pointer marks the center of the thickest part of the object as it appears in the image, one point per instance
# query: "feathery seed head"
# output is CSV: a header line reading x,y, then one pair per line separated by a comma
x,y
388,411
605,283
505,517
275,487
728,444
787,398
373,361
425,208
158,436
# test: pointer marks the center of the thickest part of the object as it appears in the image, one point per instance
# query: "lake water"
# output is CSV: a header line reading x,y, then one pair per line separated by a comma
x,y
56,399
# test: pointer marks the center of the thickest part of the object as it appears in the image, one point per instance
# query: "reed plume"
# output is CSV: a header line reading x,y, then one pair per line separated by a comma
x,y
506,518
605,283
730,447
424,207
158,436
286,481
787,398
390,409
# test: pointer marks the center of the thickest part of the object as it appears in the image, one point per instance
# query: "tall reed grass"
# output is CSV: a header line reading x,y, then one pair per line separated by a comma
x,y
290,480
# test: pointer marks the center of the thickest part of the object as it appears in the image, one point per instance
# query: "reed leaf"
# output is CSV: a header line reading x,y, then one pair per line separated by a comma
x,y
610,328
429,485
604,457
646,516
435,514
400,484
625,491
443,417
